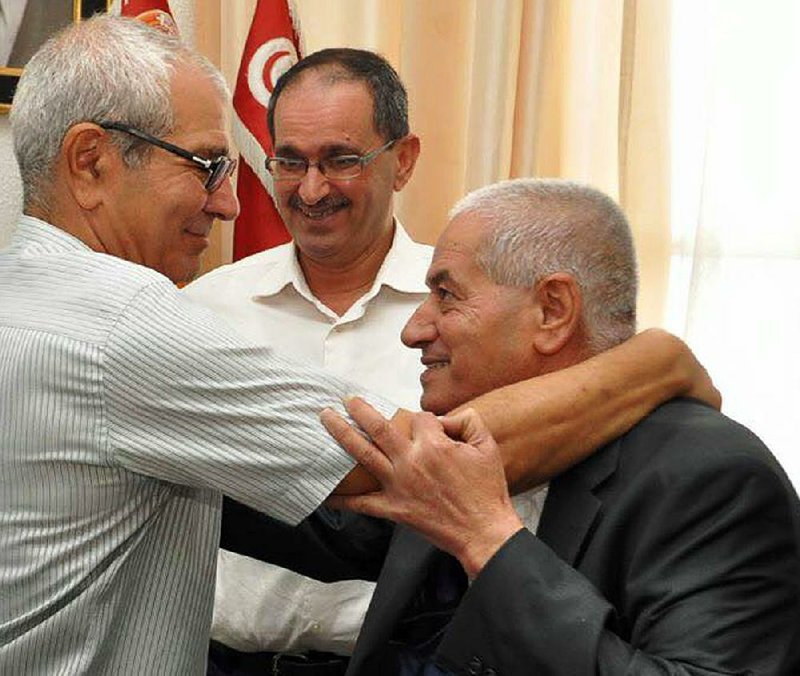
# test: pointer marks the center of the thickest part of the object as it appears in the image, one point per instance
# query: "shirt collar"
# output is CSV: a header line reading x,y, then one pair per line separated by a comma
x,y
38,235
406,264
403,269
282,271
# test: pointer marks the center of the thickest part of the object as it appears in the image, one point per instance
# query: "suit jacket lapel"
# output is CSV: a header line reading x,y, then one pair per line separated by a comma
x,y
572,507
407,562
569,512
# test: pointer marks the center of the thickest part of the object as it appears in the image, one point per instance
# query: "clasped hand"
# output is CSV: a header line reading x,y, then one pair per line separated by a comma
x,y
443,477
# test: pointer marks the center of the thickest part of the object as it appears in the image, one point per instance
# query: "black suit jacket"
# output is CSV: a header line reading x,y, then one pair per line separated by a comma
x,y
673,550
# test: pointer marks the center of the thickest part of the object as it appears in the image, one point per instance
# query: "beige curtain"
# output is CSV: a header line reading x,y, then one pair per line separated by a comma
x,y
504,88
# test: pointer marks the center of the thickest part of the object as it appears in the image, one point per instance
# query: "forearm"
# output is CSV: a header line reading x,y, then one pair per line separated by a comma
x,y
549,423
328,545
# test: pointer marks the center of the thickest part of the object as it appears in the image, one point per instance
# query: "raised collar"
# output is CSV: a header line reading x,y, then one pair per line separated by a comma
x,y
403,269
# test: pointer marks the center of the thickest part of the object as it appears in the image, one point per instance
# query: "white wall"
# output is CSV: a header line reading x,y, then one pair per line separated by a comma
x,y
10,188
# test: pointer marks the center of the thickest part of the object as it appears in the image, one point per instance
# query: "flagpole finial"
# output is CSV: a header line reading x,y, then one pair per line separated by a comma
x,y
155,13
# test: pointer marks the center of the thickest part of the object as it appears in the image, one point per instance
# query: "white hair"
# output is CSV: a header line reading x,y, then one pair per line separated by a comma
x,y
542,226
104,69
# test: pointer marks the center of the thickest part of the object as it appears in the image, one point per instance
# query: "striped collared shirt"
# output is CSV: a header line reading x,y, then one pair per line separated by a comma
x,y
125,409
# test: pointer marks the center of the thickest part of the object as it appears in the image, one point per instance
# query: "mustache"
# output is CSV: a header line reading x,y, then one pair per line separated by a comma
x,y
327,202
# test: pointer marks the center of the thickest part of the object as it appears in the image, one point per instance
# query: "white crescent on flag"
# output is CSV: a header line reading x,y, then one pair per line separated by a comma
x,y
273,45
271,60
261,81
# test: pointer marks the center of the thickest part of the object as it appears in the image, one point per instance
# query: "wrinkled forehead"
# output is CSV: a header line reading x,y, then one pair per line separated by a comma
x,y
194,92
456,251
200,112
464,234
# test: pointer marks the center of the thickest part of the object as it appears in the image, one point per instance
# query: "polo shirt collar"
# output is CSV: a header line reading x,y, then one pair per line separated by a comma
x,y
403,269
285,270
405,265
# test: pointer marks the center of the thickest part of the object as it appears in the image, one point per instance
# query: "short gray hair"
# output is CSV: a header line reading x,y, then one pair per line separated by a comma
x,y
104,69
543,226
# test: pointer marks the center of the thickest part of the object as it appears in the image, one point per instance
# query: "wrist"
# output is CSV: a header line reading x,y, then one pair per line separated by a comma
x,y
479,548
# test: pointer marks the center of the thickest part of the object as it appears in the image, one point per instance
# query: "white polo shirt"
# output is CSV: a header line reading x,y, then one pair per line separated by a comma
x,y
266,297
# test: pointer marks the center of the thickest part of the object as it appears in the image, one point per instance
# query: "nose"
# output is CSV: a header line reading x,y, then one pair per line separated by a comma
x,y
420,329
313,186
223,203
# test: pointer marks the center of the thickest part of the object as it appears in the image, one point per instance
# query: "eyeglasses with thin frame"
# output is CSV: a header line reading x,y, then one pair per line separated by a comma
x,y
218,169
336,167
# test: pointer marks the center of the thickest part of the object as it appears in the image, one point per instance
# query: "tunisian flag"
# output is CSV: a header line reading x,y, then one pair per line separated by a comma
x,y
155,13
272,47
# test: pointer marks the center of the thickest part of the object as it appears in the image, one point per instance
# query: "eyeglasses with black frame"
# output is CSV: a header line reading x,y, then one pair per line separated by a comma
x,y
218,169
336,167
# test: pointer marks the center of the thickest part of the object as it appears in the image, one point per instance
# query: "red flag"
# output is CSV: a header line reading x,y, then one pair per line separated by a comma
x,y
155,13
272,47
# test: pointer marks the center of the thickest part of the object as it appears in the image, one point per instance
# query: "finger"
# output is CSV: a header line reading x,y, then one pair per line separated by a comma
x,y
402,422
352,441
425,425
379,429
430,442
467,426
371,504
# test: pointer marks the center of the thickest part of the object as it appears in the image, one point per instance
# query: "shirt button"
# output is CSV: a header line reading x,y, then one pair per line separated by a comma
x,y
489,672
474,666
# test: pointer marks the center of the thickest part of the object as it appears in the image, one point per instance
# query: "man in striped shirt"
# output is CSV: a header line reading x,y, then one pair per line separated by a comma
x,y
126,410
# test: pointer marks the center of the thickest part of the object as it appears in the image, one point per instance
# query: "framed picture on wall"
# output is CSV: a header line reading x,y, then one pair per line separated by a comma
x,y
25,25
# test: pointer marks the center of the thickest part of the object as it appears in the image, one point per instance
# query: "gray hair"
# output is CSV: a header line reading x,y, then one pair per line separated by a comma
x,y
543,226
104,69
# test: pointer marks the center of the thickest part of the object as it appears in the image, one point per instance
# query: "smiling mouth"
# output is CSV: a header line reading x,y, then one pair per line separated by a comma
x,y
199,230
430,370
434,364
197,241
320,210
318,215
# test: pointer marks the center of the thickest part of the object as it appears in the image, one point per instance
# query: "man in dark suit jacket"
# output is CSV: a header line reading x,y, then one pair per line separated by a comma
x,y
673,550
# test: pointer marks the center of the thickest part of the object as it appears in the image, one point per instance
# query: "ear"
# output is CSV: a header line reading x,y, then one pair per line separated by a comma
x,y
407,154
89,160
559,303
